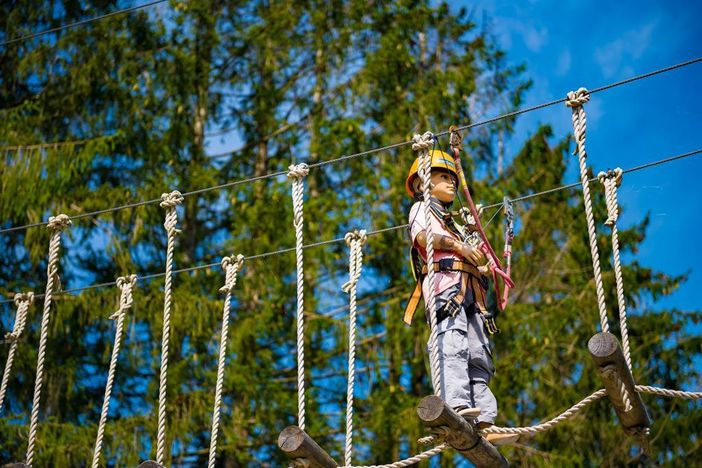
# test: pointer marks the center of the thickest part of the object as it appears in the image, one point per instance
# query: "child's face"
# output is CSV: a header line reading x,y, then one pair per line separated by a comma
x,y
443,186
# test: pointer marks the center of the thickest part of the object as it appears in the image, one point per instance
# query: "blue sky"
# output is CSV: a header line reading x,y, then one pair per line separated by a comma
x,y
568,44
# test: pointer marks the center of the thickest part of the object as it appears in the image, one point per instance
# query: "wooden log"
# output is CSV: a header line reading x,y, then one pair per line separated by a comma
x,y
16,465
296,444
611,365
150,464
464,437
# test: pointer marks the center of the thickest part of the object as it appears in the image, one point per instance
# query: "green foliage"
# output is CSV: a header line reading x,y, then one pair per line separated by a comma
x,y
295,81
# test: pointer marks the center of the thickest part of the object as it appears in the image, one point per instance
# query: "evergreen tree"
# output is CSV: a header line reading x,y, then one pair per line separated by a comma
x,y
142,95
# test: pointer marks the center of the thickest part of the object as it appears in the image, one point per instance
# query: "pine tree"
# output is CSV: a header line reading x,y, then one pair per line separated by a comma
x,y
142,95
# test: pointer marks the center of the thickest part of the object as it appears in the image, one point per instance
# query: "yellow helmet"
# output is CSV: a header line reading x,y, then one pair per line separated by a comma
x,y
439,160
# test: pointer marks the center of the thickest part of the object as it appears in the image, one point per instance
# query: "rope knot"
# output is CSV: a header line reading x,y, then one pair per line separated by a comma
x,y
231,266
22,301
355,241
611,180
126,285
59,222
577,98
170,201
298,171
23,297
356,236
422,142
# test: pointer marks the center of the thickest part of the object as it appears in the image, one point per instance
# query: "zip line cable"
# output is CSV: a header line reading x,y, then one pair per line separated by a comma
x,y
81,22
362,153
376,232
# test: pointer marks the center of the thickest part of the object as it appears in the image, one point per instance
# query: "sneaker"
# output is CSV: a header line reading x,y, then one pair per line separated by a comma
x,y
468,413
502,439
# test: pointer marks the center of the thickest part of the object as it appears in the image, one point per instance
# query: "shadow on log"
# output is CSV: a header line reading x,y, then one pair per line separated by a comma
x,y
616,376
296,444
463,436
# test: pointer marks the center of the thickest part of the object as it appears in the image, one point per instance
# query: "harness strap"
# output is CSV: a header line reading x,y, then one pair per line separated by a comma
x,y
413,303
451,264
471,276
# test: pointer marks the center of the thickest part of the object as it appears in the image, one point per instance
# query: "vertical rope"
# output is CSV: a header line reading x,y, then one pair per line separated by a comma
x,y
56,225
623,391
125,285
169,201
22,301
611,180
575,101
231,267
296,174
355,241
421,144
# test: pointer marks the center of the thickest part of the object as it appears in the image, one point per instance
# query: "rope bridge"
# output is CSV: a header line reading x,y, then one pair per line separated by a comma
x,y
619,384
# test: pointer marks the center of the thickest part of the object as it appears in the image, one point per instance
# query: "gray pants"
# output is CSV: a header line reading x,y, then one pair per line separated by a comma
x,y
466,369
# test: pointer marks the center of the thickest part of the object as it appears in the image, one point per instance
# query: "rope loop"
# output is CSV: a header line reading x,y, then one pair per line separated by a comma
x,y
298,171
231,266
59,222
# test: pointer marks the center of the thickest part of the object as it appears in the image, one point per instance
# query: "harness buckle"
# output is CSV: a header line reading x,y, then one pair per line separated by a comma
x,y
445,264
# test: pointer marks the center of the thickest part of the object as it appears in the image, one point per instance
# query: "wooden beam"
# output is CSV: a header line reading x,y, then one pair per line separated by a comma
x,y
611,365
464,437
298,445
150,464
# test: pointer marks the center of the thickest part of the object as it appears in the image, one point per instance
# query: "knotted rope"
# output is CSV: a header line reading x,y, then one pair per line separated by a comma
x,y
421,144
169,201
56,225
355,241
621,386
296,173
611,180
569,413
126,285
231,266
22,301
407,461
576,100
669,393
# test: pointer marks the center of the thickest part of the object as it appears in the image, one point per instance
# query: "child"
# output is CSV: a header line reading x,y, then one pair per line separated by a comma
x,y
464,350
